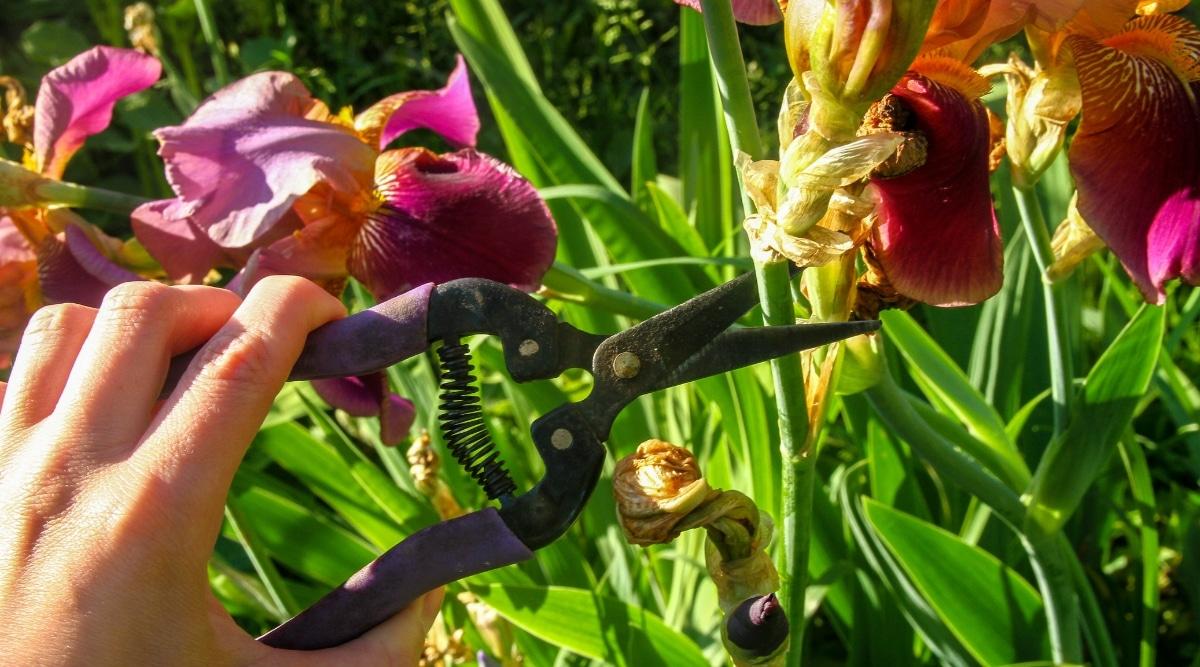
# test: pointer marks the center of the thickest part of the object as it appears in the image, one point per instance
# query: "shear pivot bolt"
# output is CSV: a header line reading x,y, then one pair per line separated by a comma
x,y
561,438
626,365
528,347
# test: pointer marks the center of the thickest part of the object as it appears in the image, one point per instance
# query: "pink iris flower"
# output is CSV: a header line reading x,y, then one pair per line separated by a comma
x,y
269,181
751,12
53,255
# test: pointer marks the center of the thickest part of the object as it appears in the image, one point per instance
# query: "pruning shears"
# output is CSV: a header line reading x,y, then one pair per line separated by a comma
x,y
696,339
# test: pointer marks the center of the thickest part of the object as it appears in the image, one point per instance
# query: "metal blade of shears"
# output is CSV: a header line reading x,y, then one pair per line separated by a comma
x,y
744,347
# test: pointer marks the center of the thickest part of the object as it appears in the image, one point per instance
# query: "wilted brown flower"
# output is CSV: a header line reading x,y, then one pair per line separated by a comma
x,y
655,488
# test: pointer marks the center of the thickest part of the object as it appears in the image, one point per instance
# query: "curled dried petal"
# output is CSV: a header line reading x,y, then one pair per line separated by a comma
x,y
655,488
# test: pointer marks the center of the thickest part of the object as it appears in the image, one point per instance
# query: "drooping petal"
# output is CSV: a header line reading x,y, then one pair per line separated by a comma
x,y
368,396
185,252
248,152
396,417
349,394
1142,197
936,236
449,111
93,261
451,216
751,12
76,100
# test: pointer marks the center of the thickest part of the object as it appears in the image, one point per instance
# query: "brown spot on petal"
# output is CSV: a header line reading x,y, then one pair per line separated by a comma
x,y
890,114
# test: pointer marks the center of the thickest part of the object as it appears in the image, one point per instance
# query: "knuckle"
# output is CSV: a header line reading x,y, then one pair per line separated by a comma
x,y
139,299
52,321
243,358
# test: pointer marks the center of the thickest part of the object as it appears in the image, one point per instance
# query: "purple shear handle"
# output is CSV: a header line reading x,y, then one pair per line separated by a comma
x,y
365,342
429,558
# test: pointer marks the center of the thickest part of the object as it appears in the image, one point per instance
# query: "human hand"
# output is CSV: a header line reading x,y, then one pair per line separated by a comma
x,y
112,500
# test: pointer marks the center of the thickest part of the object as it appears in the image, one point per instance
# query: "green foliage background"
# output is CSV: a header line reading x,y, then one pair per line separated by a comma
x,y
318,496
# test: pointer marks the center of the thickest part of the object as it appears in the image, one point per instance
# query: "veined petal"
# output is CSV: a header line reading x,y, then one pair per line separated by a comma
x,y
185,252
750,12
76,100
449,111
936,236
248,152
93,260
451,216
1142,197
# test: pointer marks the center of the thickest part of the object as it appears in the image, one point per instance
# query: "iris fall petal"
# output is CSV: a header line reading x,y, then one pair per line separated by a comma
x,y
936,236
448,216
76,100
1142,197
243,158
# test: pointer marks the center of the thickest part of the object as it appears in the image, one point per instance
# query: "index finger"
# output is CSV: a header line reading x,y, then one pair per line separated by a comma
x,y
203,428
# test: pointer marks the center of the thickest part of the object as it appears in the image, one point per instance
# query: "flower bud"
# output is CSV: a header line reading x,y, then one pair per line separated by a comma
x,y
756,632
856,49
655,488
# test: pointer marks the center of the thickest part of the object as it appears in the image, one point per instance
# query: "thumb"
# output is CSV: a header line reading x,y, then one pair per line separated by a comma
x,y
398,641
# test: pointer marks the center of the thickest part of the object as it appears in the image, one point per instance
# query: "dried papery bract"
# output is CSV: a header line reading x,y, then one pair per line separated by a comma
x,y
660,492
425,465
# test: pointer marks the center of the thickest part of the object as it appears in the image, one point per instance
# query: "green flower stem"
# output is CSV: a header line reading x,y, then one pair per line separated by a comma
x,y
1061,371
83,196
726,53
1045,552
216,48
799,465
565,283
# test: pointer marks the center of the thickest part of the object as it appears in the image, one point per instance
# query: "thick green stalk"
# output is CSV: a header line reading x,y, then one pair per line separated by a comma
x,y
775,294
1045,553
1061,371
726,53
799,464
84,196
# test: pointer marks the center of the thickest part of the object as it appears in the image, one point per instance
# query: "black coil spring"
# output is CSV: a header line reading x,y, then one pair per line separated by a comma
x,y
461,418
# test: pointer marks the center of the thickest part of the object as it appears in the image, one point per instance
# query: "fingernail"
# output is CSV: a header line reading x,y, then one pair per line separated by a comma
x,y
431,604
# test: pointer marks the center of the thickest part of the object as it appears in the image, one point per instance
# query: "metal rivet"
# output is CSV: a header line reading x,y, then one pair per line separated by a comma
x,y
626,365
529,347
561,438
